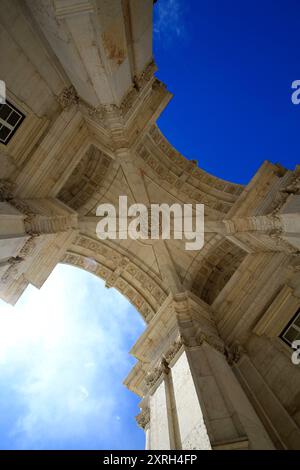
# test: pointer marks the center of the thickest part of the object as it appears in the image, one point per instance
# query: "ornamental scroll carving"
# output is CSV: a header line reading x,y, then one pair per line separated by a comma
x,y
163,367
153,377
143,418
212,340
68,97
6,190
194,341
234,353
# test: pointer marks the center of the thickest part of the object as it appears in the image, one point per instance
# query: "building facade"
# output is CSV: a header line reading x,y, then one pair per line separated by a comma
x,y
78,128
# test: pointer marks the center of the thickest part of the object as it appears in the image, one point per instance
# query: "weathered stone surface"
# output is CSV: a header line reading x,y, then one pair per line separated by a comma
x,y
212,369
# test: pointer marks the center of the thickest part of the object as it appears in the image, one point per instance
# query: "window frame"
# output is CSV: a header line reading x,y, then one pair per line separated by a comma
x,y
4,122
290,324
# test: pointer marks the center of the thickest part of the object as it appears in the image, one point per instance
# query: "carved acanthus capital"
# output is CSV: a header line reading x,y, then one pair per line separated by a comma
x,y
12,269
6,190
275,233
13,260
173,350
233,353
28,247
68,97
212,340
280,198
295,263
23,207
152,377
293,187
141,80
143,418
163,367
139,83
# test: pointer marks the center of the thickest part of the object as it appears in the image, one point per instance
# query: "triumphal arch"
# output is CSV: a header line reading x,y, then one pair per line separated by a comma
x,y
214,365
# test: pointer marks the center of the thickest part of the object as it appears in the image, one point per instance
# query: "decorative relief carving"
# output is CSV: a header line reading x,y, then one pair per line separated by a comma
x,y
152,377
99,248
9,274
143,418
124,263
12,269
6,194
87,177
139,82
278,201
68,97
212,340
12,261
196,174
146,75
234,353
281,196
275,232
295,263
6,190
97,113
182,183
173,350
218,266
293,187
28,247
128,101
282,244
113,278
163,367
23,207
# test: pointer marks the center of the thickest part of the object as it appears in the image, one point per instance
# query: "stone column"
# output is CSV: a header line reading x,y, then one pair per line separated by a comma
x,y
34,234
12,229
184,375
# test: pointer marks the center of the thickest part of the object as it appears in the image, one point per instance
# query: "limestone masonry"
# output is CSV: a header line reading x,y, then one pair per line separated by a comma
x,y
214,366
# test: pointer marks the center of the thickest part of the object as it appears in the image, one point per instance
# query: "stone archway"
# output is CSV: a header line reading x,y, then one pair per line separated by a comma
x,y
90,135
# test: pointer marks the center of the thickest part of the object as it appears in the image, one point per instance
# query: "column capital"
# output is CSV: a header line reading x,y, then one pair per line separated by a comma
x,y
143,418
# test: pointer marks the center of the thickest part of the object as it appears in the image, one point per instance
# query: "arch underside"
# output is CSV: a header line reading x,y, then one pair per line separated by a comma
x,y
108,144
129,266
96,138
143,288
91,103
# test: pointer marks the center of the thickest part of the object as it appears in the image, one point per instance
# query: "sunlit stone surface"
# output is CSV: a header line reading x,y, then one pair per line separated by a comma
x,y
212,370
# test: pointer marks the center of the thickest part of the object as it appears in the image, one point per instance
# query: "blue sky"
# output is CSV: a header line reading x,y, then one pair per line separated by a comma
x,y
64,349
230,65
63,358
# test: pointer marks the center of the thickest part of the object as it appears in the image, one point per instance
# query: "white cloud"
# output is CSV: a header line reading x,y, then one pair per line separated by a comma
x,y
168,19
64,347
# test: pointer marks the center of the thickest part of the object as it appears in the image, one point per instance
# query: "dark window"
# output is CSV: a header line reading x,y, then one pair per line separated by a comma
x,y
292,330
10,120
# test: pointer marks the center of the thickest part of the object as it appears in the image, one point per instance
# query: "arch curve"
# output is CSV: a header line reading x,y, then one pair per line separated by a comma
x,y
144,289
